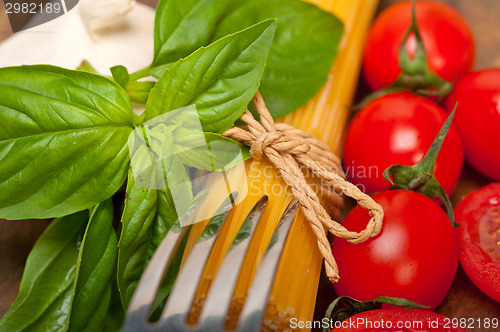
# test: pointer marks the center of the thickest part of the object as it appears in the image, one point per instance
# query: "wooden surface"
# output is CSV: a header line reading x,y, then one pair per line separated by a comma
x,y
464,299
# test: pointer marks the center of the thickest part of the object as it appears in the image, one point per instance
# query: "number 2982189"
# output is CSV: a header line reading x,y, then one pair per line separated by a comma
x,y
32,8
471,323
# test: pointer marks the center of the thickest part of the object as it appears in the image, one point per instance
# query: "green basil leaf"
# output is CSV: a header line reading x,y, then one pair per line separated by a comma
x,y
148,216
170,277
120,75
244,232
179,31
302,52
46,291
95,267
301,55
138,91
174,267
220,79
214,224
116,315
181,189
63,140
217,152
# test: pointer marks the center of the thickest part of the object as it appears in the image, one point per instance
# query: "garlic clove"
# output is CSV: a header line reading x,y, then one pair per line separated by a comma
x,y
99,15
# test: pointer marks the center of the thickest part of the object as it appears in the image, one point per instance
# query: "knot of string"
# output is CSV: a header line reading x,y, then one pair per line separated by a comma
x,y
289,149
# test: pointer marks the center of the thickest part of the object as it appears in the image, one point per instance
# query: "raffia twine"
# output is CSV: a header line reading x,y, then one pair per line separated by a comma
x,y
288,148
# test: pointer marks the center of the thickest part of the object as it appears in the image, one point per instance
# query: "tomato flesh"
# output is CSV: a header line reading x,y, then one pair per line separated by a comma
x,y
479,238
399,320
414,257
447,38
399,128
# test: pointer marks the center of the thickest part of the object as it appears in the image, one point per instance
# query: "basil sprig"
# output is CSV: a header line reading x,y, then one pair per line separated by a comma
x,y
300,57
220,79
63,141
66,285
65,137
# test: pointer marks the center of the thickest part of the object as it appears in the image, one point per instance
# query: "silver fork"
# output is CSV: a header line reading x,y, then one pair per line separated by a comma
x,y
215,308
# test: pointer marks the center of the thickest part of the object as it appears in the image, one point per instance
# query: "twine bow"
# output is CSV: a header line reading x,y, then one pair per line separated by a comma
x,y
288,149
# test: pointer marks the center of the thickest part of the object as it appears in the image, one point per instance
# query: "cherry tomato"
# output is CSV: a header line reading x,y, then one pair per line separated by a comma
x,y
399,129
447,39
414,257
478,119
479,238
400,320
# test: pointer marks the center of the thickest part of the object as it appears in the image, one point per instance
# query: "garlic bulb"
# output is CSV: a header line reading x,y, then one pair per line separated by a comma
x,y
106,33
99,15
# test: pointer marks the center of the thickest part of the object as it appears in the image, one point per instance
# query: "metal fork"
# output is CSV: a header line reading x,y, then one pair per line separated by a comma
x,y
215,308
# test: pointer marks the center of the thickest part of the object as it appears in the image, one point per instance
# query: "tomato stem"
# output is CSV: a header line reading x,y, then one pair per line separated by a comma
x,y
418,65
415,75
420,181
347,306
420,177
427,163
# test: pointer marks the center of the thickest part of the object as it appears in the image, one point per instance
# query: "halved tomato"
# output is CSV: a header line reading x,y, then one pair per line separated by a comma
x,y
479,238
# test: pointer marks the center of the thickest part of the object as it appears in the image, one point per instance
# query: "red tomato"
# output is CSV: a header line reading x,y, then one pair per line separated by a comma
x,y
399,320
447,38
399,129
478,119
479,237
414,257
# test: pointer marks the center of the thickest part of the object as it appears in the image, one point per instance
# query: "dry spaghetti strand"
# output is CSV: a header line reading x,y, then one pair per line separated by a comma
x,y
289,149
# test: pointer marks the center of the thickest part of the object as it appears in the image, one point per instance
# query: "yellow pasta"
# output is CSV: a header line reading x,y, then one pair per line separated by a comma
x,y
295,287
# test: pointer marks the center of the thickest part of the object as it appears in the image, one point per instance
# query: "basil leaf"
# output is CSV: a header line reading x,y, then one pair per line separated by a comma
x,y
170,277
214,224
179,31
116,315
67,281
120,75
181,189
301,55
220,79
174,266
148,216
244,232
217,153
46,291
138,91
63,137
95,267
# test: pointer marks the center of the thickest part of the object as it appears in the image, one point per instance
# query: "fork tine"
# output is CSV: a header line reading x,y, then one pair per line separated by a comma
x,y
145,293
255,305
218,301
216,306
180,299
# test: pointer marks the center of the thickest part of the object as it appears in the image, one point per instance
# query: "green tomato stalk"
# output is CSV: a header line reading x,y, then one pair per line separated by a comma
x,y
346,306
415,75
420,177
